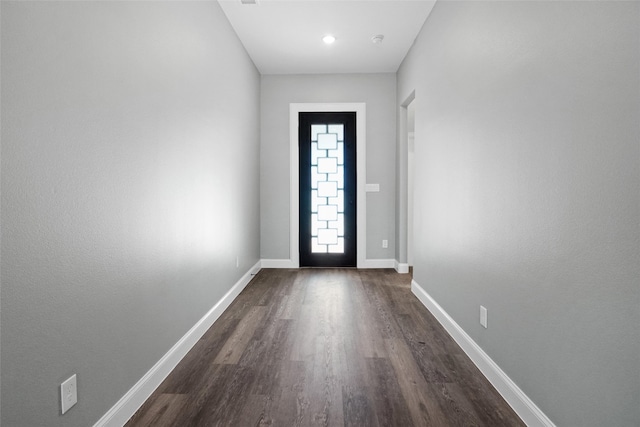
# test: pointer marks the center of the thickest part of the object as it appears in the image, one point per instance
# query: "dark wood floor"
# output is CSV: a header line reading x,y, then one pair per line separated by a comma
x,y
326,347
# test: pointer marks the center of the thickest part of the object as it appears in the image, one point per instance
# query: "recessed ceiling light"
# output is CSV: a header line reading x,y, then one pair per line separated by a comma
x,y
328,39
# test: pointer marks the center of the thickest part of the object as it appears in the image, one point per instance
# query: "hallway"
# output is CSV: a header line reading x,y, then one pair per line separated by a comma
x,y
326,347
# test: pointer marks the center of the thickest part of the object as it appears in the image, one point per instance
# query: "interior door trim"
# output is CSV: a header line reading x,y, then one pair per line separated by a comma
x,y
294,202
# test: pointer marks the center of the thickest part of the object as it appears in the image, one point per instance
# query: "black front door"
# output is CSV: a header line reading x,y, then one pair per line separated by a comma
x,y
327,147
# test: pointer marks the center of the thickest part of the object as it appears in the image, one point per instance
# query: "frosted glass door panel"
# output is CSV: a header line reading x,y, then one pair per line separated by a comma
x,y
327,188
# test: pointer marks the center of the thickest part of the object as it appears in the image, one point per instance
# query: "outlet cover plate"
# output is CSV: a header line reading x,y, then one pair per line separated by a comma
x,y
68,393
483,316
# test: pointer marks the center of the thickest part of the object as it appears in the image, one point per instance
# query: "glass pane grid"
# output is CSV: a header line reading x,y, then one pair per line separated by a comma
x,y
327,188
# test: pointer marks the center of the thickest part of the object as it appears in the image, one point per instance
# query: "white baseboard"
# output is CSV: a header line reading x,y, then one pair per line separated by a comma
x,y
520,402
278,263
124,409
401,268
378,263
368,263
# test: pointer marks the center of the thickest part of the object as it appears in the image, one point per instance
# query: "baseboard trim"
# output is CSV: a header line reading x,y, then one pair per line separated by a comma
x,y
368,263
378,263
124,409
278,263
401,267
515,397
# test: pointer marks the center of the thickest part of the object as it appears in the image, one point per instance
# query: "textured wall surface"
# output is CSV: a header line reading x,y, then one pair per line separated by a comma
x,y
528,190
277,92
130,184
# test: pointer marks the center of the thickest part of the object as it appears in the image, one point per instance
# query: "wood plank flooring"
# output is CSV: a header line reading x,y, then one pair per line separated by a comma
x,y
326,347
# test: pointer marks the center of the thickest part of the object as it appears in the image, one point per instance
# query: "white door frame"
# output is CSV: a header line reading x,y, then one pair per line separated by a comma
x,y
402,161
361,164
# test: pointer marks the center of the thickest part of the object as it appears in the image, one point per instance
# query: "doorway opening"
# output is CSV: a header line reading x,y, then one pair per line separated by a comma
x,y
406,171
411,126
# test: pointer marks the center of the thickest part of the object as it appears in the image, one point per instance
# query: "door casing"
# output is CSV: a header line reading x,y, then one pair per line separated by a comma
x,y
294,199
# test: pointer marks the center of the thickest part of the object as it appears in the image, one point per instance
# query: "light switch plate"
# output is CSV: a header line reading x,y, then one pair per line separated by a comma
x,y
372,188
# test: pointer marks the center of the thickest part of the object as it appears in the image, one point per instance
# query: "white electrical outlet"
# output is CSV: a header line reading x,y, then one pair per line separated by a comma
x,y
483,316
385,244
68,393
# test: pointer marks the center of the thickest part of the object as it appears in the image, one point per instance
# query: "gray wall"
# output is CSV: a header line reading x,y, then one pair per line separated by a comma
x,y
378,91
527,194
129,186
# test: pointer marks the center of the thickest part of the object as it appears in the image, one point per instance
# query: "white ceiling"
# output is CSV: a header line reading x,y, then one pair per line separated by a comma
x,y
285,36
